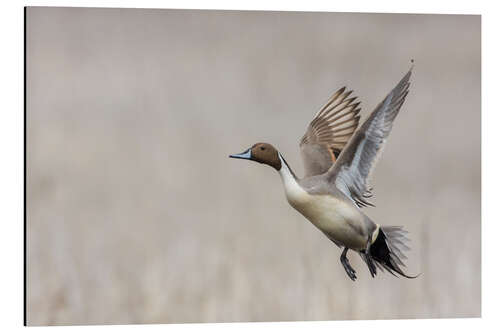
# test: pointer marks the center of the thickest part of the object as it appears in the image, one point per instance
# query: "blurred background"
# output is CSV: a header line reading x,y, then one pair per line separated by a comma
x,y
135,213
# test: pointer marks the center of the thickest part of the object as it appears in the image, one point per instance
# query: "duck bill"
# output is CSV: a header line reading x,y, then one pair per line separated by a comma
x,y
246,155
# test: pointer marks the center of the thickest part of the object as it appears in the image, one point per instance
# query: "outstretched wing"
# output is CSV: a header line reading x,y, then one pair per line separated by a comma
x,y
329,132
351,172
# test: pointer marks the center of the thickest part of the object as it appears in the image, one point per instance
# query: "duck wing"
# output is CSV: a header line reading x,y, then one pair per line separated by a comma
x,y
329,132
351,173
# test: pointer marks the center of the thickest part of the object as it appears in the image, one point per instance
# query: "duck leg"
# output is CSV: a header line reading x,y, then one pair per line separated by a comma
x,y
345,262
369,261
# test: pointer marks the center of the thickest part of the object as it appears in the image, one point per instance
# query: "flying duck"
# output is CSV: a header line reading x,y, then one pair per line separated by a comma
x,y
338,162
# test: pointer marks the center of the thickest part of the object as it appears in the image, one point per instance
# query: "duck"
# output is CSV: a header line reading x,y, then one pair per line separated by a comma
x,y
339,159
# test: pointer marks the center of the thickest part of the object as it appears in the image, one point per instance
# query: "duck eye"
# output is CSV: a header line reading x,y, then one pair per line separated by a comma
x,y
262,148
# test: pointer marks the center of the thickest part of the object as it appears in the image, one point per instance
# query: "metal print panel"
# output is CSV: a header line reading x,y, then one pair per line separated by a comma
x,y
136,213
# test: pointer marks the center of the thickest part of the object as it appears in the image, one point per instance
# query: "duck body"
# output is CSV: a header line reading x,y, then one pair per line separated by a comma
x,y
328,209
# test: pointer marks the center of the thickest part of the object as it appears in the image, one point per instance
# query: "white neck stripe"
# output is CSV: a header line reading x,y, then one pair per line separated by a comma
x,y
292,188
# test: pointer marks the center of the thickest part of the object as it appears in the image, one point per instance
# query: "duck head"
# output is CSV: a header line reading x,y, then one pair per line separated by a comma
x,y
262,153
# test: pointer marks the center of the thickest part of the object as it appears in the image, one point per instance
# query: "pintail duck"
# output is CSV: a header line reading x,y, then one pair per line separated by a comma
x,y
338,161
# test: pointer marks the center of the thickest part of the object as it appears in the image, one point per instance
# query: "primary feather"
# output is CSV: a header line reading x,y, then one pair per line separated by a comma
x,y
329,132
352,170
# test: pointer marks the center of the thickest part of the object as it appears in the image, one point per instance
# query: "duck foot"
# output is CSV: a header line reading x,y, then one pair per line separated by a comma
x,y
345,262
369,261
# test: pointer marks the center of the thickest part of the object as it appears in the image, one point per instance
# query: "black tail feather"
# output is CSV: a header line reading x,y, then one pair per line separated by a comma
x,y
387,250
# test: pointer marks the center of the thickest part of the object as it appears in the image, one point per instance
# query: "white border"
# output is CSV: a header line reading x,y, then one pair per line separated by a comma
x,y
11,149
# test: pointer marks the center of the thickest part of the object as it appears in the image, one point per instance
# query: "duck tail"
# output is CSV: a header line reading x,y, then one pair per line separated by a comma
x,y
387,250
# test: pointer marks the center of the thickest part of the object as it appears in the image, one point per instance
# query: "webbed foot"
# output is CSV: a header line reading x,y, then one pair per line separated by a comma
x,y
347,266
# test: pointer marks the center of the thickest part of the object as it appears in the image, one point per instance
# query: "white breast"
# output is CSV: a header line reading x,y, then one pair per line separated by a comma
x,y
328,213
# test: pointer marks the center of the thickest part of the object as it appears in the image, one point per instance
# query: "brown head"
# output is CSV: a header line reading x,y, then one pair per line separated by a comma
x,y
262,153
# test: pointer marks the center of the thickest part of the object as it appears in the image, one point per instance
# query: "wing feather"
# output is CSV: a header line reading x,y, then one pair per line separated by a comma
x,y
328,132
352,171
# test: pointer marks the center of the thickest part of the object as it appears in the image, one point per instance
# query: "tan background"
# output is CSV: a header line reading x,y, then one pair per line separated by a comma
x,y
136,215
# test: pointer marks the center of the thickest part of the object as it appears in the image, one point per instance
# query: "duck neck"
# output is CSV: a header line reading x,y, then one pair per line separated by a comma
x,y
286,173
293,191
